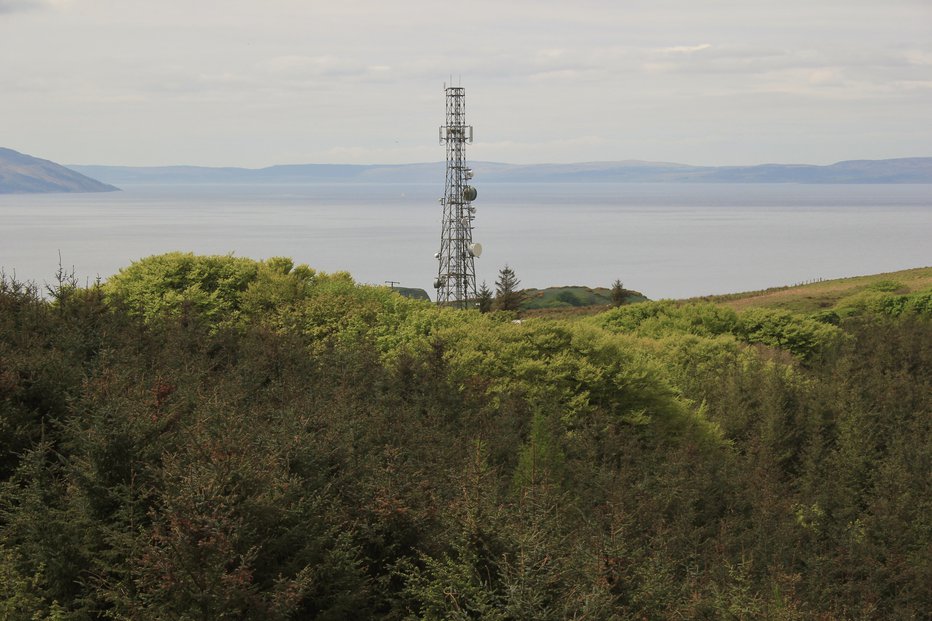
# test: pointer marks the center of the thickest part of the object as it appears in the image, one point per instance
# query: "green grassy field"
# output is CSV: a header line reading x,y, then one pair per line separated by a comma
x,y
828,293
837,294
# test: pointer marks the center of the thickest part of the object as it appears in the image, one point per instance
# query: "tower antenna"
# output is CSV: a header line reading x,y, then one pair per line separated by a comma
x,y
456,273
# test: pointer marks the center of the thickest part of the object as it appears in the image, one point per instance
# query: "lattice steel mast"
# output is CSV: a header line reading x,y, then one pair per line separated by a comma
x,y
456,275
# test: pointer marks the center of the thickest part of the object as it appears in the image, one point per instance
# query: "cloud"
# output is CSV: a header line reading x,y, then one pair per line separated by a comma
x,y
826,77
684,49
330,67
919,58
565,75
350,78
747,66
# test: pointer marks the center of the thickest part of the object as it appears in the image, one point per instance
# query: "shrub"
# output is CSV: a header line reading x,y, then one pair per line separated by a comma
x,y
802,336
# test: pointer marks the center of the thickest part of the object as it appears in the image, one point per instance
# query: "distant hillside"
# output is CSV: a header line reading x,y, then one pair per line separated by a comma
x,y
412,292
840,295
574,297
24,174
296,173
572,302
903,170
828,294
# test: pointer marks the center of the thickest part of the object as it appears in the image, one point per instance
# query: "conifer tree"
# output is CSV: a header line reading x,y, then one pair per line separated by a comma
x,y
485,299
618,293
507,295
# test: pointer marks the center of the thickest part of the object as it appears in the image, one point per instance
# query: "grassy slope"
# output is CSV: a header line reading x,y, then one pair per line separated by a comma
x,y
573,297
826,294
801,298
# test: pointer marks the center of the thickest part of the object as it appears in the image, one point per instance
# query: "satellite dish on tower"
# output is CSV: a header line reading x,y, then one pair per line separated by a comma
x,y
475,249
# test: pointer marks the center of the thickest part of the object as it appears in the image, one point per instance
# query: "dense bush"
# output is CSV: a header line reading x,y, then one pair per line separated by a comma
x,y
214,437
802,336
885,303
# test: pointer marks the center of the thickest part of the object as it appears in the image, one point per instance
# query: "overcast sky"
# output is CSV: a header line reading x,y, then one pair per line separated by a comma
x,y
261,82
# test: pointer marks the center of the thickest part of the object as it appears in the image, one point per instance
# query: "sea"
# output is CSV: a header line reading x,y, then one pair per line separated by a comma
x,y
664,240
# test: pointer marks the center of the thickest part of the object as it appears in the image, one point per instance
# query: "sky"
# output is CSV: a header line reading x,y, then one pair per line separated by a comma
x,y
261,82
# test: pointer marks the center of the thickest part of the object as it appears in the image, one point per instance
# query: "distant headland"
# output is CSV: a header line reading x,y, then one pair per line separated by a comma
x,y
24,174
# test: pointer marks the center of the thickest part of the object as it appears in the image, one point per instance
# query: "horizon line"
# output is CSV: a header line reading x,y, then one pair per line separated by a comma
x,y
572,163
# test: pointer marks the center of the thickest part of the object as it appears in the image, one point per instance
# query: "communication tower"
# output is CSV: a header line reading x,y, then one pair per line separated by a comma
x,y
456,275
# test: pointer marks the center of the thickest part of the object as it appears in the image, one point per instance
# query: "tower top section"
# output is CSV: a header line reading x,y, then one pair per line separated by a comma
x,y
455,130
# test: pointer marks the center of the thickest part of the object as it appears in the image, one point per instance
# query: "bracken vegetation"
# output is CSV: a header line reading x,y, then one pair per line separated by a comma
x,y
215,437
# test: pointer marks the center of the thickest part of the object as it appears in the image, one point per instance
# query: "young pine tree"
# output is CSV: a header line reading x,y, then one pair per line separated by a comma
x,y
507,295
484,299
618,293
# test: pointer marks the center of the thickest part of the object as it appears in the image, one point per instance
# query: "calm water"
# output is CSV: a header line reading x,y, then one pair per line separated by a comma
x,y
666,240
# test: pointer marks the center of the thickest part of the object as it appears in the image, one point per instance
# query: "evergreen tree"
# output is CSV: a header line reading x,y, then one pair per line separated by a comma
x,y
485,299
618,293
507,295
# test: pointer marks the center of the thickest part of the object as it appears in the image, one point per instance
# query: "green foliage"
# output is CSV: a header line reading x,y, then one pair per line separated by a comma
x,y
277,284
507,295
619,293
569,298
485,299
541,459
21,595
879,301
800,336
461,582
887,286
174,283
214,437
658,319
